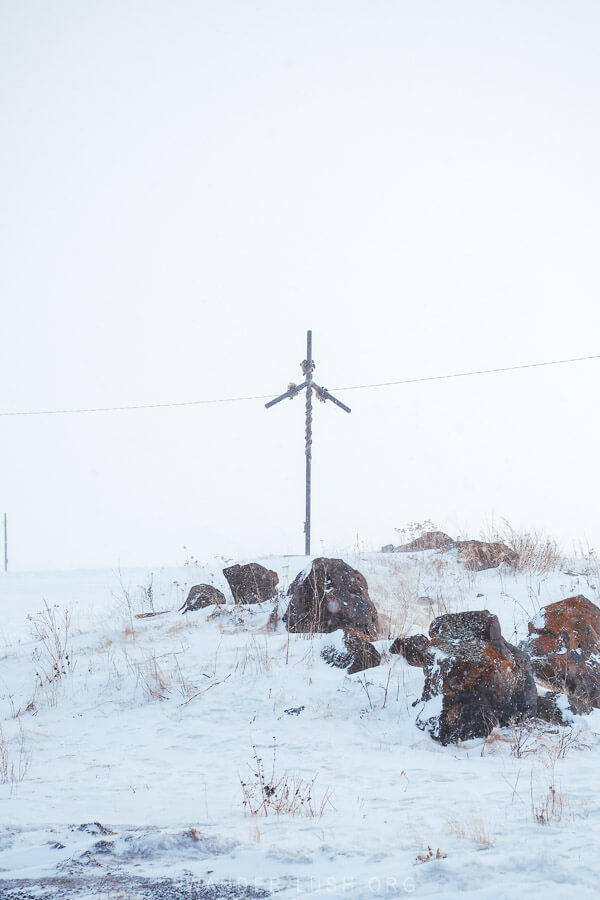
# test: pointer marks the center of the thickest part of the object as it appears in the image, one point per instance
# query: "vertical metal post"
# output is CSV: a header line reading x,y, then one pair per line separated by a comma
x,y
308,373
5,544
308,367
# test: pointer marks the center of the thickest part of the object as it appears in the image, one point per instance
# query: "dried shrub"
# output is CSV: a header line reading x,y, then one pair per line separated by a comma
x,y
430,855
538,553
13,769
51,629
281,794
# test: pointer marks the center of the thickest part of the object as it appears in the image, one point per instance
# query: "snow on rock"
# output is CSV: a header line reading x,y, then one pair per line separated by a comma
x,y
354,652
147,738
481,679
251,583
334,595
201,595
414,649
564,645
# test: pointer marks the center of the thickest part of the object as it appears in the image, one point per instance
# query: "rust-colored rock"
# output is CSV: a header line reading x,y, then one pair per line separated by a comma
x,y
431,540
480,555
202,595
414,649
329,596
251,583
476,681
564,646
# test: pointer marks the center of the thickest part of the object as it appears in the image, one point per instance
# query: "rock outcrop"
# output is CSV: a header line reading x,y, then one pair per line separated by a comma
x,y
480,555
251,583
476,680
431,540
475,555
202,595
329,596
564,646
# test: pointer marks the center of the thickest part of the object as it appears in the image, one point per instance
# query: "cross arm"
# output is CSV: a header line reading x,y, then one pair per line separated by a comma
x,y
323,394
291,392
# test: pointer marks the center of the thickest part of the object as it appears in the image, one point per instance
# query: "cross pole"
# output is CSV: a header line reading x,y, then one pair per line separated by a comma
x,y
308,367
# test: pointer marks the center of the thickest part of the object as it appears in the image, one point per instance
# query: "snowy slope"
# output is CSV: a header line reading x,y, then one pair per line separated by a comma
x,y
156,723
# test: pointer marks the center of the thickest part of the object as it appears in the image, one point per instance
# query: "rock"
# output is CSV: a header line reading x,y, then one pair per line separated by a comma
x,y
551,708
388,548
564,646
364,654
329,596
414,649
356,655
202,595
151,615
251,583
476,680
571,624
431,540
479,555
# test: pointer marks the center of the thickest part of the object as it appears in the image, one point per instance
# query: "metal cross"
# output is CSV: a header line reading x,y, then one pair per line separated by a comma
x,y
308,367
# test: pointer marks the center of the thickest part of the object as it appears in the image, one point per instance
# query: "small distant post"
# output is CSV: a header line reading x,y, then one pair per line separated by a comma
x,y
5,545
308,367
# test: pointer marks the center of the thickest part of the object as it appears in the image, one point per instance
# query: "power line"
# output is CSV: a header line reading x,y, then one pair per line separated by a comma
x,y
354,387
555,362
98,409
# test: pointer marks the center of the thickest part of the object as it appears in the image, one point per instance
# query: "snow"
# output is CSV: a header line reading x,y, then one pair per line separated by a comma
x,y
157,722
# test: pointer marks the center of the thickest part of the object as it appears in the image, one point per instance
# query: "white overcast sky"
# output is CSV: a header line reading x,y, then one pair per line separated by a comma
x,y
187,187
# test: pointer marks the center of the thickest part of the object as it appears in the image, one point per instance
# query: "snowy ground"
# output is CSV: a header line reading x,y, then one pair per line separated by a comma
x,y
126,770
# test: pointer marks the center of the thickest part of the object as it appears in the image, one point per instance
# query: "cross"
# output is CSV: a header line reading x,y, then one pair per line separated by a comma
x,y
308,367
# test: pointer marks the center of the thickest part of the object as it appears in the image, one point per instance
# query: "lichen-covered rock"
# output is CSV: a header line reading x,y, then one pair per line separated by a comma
x,y
355,653
251,583
564,646
202,595
414,649
476,680
331,595
479,555
431,540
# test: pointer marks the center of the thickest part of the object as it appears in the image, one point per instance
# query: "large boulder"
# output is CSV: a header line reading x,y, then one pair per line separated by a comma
x,y
479,555
202,595
251,583
329,596
431,540
564,646
476,679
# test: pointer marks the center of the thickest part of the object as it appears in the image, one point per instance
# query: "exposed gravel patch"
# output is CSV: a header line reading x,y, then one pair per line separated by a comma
x,y
124,887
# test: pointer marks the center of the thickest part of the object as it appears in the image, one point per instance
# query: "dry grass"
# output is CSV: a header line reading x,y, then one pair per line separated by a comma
x,y
14,768
538,553
255,657
156,684
159,676
51,630
550,806
473,829
284,794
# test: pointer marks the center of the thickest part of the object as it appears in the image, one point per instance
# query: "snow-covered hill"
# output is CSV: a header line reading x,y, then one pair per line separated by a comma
x,y
145,751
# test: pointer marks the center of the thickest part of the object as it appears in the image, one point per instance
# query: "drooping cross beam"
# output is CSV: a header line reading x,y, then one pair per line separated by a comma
x,y
308,367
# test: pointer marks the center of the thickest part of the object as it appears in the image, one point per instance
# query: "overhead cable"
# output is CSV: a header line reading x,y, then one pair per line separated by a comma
x,y
354,387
